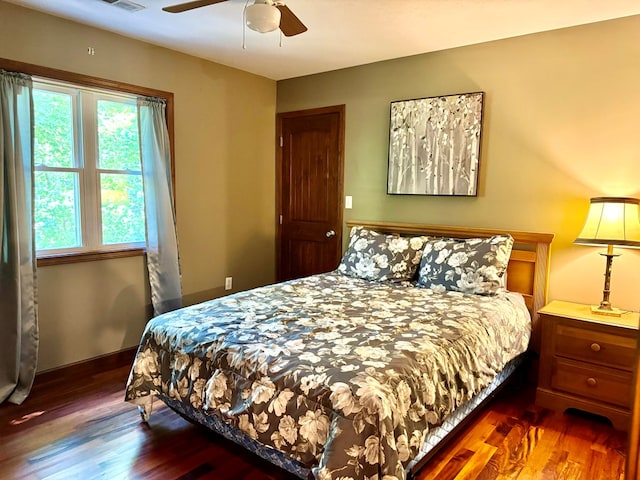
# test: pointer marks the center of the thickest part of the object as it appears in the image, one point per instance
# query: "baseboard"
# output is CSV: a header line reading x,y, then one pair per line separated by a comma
x,y
91,366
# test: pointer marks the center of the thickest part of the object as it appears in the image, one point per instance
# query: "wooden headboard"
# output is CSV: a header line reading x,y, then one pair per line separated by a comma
x,y
528,269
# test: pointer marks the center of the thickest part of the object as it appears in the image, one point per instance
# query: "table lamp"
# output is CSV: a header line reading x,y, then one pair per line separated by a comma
x,y
611,221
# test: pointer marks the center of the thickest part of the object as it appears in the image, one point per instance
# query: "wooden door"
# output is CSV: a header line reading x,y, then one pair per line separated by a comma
x,y
310,191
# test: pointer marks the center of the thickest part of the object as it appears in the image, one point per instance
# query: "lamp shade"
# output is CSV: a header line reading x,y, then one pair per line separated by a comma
x,y
262,17
612,221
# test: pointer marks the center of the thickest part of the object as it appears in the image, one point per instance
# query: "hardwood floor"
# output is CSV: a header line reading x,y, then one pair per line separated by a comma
x,y
76,425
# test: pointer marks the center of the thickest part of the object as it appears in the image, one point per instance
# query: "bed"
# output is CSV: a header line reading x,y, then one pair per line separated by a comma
x,y
362,372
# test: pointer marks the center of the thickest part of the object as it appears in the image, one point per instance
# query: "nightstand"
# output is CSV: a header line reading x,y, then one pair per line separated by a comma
x,y
586,361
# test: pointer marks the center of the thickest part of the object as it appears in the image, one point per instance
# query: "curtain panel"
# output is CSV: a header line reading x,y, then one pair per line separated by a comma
x,y
163,262
18,307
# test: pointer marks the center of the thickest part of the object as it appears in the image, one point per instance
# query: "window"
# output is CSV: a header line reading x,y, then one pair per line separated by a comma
x,y
88,178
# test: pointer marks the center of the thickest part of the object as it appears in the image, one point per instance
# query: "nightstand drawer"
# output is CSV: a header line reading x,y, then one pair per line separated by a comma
x,y
594,382
595,346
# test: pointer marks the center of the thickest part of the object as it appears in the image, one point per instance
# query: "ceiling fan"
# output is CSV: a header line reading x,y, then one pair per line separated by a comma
x,y
262,16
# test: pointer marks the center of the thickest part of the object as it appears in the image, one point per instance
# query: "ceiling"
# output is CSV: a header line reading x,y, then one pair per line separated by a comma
x,y
342,33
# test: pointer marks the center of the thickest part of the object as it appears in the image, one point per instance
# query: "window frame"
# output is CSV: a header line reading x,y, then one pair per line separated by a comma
x,y
96,171
62,257
77,167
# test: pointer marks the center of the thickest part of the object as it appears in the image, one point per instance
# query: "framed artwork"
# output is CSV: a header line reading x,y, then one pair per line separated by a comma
x,y
434,145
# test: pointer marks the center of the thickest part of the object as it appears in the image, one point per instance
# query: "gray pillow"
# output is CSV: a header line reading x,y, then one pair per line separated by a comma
x,y
379,257
474,265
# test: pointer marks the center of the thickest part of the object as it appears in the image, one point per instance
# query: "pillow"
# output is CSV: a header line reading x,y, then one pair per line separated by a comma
x,y
474,265
379,257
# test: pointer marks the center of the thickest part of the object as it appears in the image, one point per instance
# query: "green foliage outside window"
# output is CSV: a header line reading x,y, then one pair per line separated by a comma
x,y
118,145
60,193
53,131
122,196
56,221
122,208
56,198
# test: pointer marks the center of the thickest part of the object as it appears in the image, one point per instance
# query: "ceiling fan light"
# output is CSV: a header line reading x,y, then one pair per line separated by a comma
x,y
262,17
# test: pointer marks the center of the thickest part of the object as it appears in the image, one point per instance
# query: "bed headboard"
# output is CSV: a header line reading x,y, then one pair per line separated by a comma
x,y
528,269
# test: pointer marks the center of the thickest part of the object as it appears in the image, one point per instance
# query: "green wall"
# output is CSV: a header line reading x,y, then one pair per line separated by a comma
x,y
560,125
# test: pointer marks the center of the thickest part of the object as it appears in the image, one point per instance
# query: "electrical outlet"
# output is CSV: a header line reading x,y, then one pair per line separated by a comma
x,y
228,283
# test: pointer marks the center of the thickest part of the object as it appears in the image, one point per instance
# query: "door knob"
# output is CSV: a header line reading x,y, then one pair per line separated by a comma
x,y
330,234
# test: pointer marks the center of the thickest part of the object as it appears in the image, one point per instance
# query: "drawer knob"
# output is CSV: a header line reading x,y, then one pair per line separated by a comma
x,y
595,347
592,382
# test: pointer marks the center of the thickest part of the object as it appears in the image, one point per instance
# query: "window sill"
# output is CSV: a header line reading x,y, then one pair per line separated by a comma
x,y
59,259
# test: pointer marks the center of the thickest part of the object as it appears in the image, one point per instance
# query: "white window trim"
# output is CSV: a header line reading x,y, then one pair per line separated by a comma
x,y
86,99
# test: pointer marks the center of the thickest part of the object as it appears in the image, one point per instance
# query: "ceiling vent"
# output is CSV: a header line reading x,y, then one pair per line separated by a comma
x,y
127,5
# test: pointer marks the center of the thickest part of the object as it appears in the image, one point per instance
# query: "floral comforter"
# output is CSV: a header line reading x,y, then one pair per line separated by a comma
x,y
345,375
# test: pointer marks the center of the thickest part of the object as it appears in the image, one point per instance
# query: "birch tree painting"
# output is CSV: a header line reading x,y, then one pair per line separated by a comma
x,y
434,145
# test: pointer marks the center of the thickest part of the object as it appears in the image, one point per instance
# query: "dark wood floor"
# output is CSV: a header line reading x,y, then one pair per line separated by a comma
x,y
80,428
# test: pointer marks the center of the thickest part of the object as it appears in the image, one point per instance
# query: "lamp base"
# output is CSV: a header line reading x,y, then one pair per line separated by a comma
x,y
612,311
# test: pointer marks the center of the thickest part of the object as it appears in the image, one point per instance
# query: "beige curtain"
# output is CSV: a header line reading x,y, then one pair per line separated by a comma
x,y
163,262
18,308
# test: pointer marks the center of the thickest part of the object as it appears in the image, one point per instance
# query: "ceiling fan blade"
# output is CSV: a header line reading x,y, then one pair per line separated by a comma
x,y
183,7
290,25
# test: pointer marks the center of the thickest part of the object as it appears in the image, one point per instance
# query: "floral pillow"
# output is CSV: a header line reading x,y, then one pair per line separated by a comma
x,y
378,257
475,265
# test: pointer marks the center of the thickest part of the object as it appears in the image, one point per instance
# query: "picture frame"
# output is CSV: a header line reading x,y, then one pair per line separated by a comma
x,y
434,145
